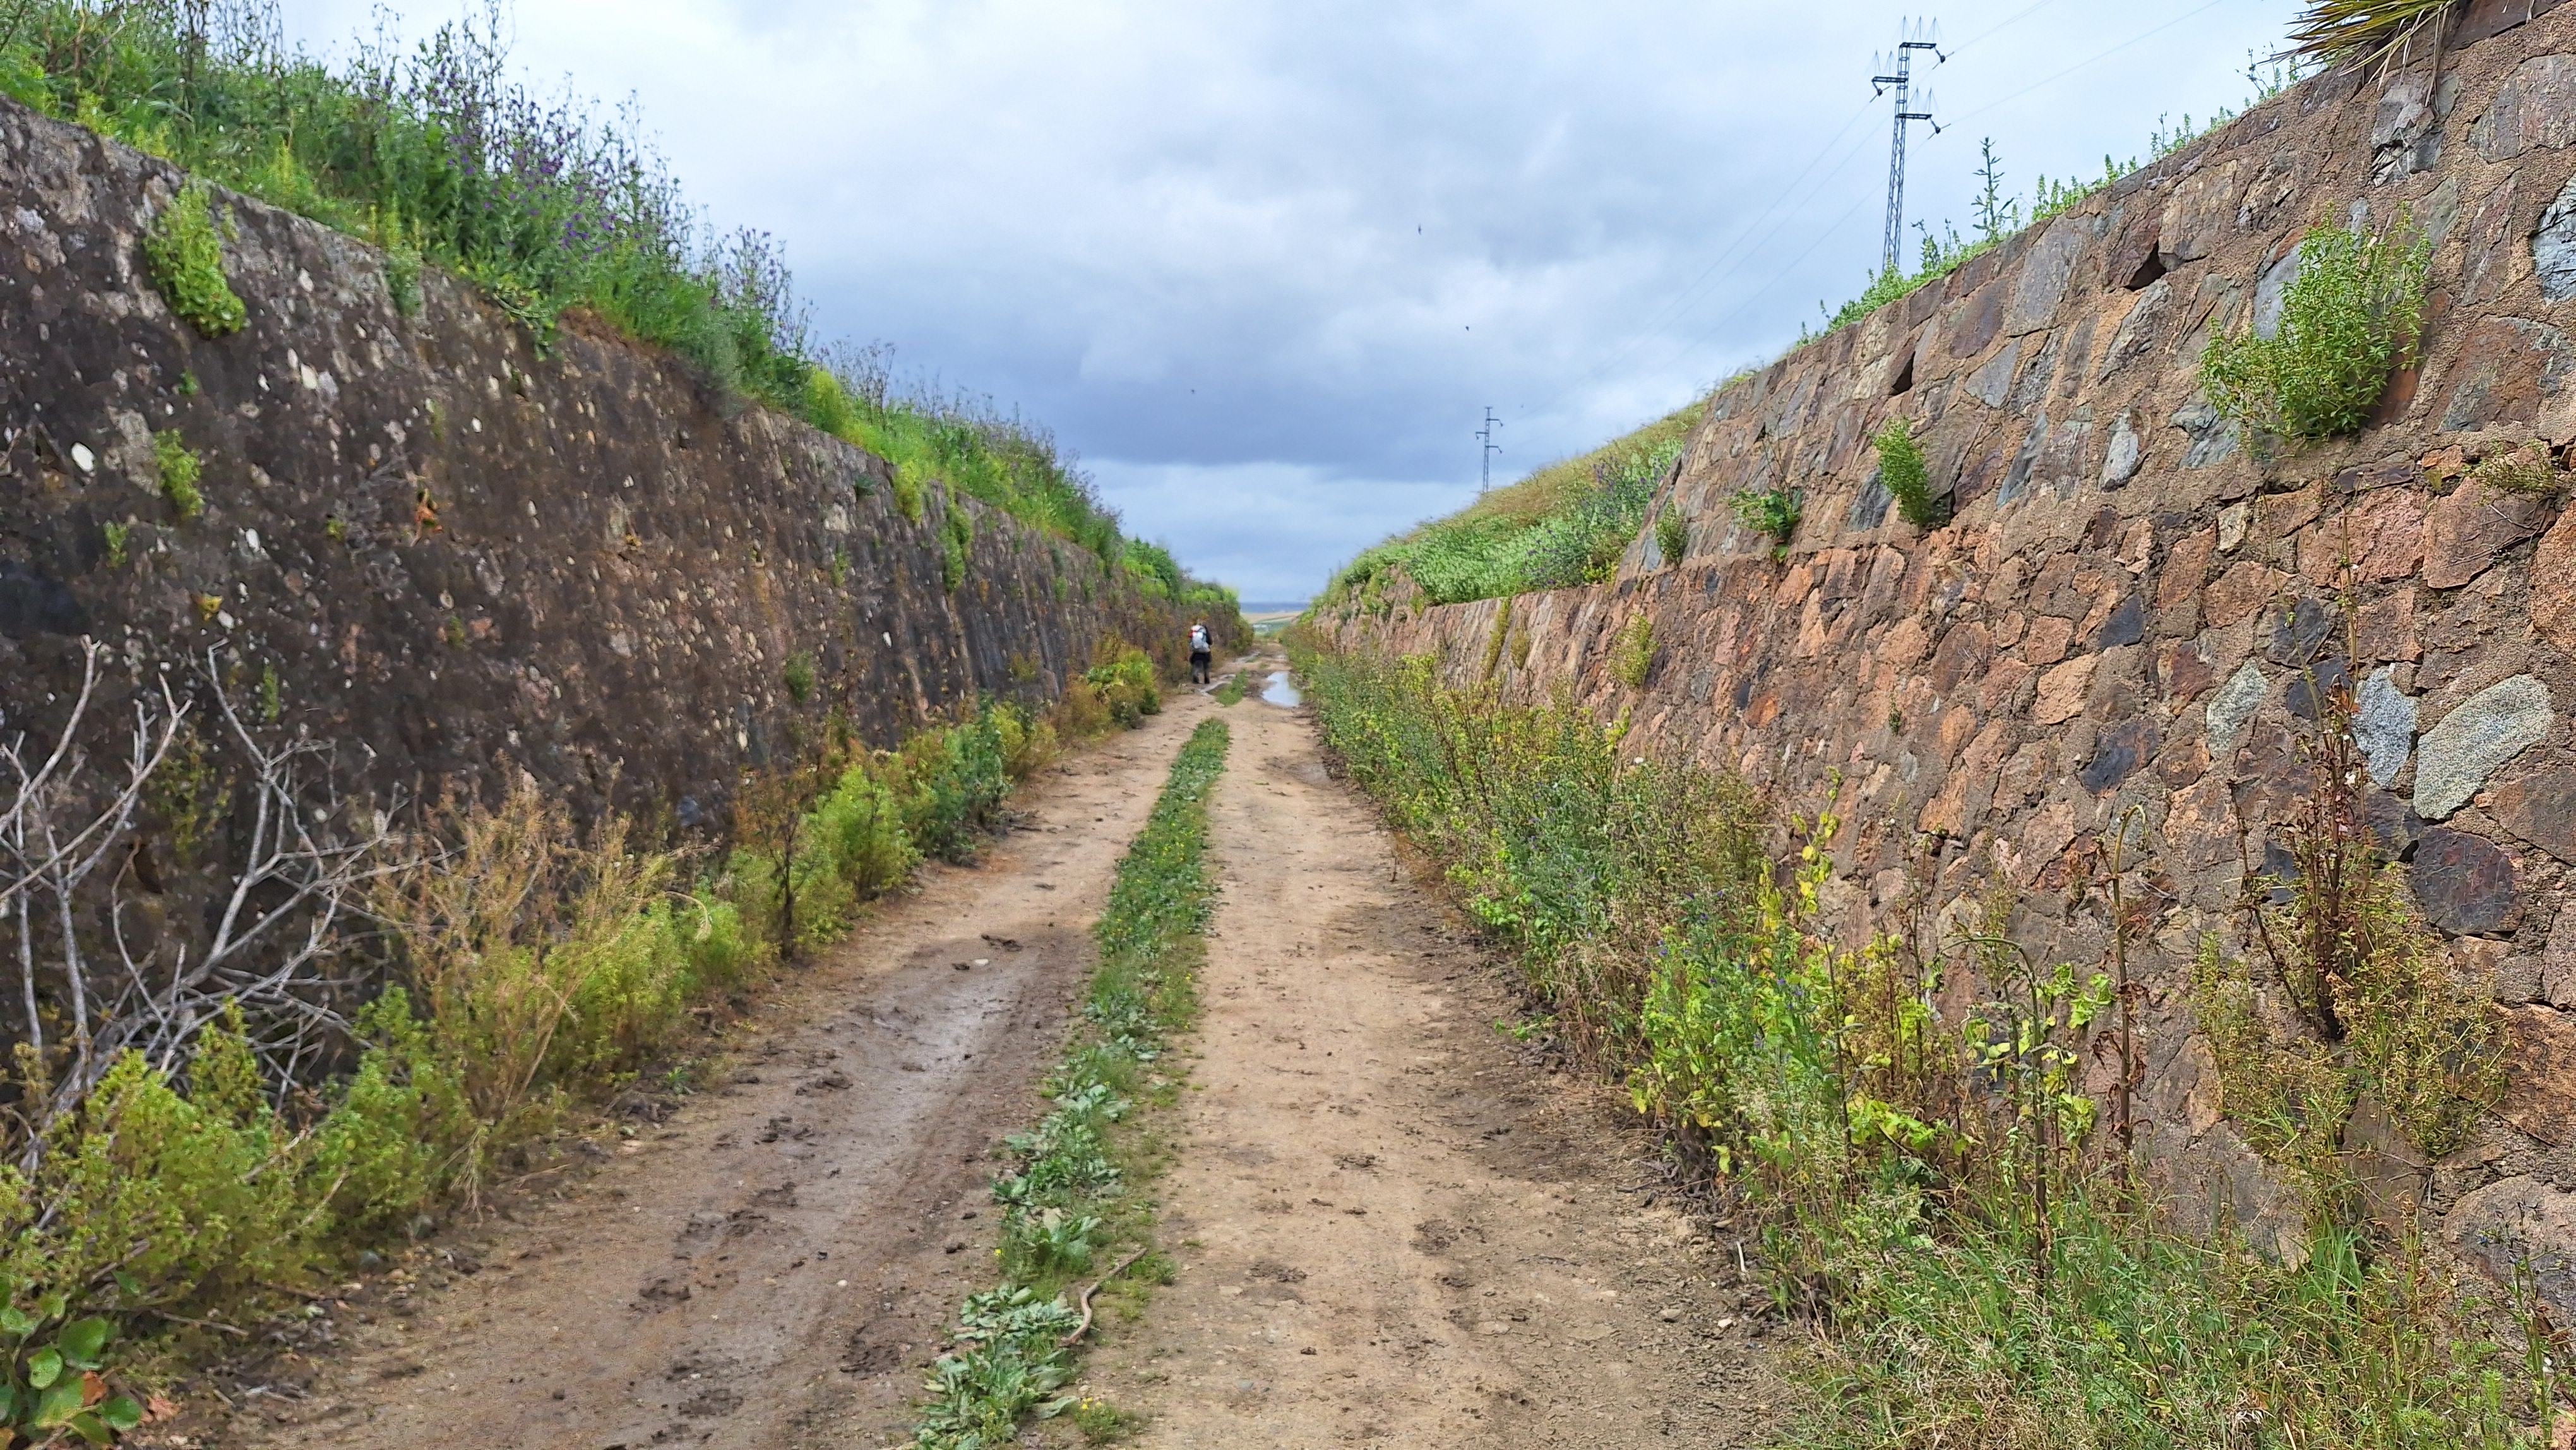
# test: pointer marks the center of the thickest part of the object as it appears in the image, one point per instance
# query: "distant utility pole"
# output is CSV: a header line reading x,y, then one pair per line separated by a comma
x,y
1491,448
1916,37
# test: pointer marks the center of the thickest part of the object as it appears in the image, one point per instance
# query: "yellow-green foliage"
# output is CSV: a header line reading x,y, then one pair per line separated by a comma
x,y
1124,677
180,468
184,251
2349,320
911,481
1632,658
542,957
956,535
1907,478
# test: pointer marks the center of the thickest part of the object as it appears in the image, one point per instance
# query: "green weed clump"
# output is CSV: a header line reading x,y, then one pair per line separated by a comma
x,y
2349,320
1941,1194
180,468
118,535
2377,1008
1907,478
1672,537
1121,678
1068,1200
1774,512
1632,656
184,252
956,535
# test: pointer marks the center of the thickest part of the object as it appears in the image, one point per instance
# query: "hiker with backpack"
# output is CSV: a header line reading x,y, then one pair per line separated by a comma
x,y
1202,651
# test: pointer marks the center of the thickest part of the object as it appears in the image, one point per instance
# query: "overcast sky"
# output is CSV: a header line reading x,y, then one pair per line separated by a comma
x,y
1263,265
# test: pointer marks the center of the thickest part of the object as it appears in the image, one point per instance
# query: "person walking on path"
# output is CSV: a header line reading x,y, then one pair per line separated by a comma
x,y
1202,650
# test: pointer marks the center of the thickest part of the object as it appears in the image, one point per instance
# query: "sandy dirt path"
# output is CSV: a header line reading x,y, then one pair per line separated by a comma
x,y
1394,1226
776,1264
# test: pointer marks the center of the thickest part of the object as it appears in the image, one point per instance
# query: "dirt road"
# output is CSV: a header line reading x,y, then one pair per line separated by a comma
x,y
1394,1226
774,1265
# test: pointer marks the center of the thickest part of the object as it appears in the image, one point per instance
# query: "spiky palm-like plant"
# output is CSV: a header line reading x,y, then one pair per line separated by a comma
x,y
2368,32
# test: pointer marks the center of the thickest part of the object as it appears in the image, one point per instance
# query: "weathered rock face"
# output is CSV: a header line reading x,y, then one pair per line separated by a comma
x,y
452,552
2132,608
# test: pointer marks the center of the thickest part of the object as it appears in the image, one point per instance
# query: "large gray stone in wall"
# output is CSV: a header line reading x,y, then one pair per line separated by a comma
x,y
2121,456
2230,708
2518,1226
2383,724
2535,109
2271,290
2044,274
2553,247
2465,883
2486,730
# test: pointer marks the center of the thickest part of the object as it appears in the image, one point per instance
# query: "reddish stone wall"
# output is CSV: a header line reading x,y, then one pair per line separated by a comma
x,y
2125,609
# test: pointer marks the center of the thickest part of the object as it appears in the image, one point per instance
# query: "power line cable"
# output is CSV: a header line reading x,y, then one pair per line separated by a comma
x,y
2081,64
1726,256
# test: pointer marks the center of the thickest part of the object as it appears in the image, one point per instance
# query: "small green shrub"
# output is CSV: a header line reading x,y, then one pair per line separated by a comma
x,y
184,251
2349,320
180,468
1672,536
799,677
1124,676
1771,511
117,536
1907,478
956,536
403,264
910,481
2529,469
1632,659
272,694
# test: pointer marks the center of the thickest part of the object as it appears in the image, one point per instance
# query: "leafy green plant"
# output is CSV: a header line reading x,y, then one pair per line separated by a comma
x,y
117,535
1672,536
1907,478
272,694
53,1385
1632,658
183,249
2349,320
180,469
1771,511
799,677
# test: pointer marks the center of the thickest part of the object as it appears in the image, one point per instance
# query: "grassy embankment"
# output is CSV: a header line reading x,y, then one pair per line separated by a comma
x,y
1941,1197
1074,1206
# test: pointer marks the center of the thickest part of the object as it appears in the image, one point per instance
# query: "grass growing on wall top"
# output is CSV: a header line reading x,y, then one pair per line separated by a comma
x,y
1563,525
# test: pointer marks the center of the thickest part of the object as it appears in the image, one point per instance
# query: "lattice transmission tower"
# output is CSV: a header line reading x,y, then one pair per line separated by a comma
x,y
1916,35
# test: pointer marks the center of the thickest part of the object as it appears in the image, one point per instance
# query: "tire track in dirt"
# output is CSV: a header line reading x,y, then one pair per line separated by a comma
x,y
1394,1227
775,1265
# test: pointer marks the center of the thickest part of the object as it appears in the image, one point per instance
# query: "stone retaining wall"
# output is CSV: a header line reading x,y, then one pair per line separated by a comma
x,y
2129,605
451,552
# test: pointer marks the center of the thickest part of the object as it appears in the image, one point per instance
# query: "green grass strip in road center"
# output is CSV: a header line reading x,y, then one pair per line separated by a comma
x,y
1075,1216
